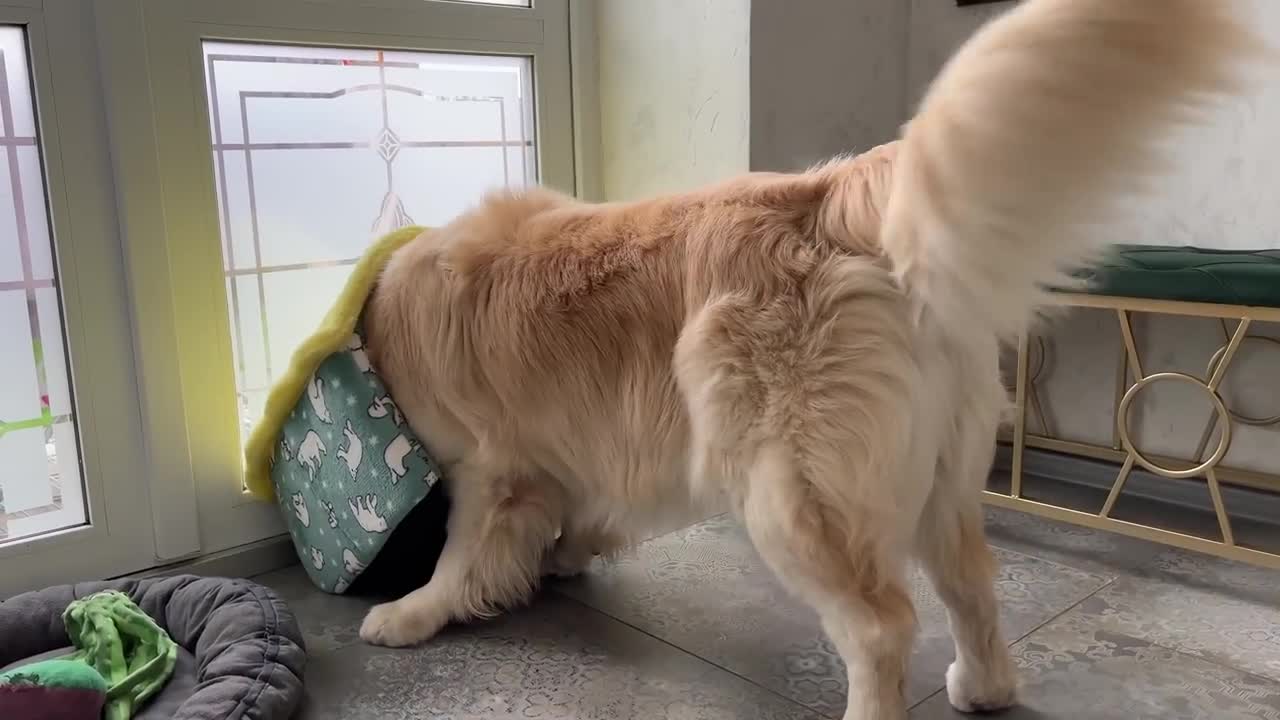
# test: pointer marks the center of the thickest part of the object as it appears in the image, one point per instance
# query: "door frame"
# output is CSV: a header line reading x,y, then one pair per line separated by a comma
x,y
161,141
94,297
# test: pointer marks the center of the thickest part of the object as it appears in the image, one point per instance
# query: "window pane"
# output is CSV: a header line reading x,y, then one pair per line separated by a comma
x,y
318,151
40,487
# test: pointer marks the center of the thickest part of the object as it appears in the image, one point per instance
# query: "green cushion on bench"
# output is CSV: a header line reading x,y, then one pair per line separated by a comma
x,y
1190,274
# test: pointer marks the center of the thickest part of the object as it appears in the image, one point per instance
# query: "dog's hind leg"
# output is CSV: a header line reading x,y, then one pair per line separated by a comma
x,y
501,525
854,580
954,554
952,549
798,408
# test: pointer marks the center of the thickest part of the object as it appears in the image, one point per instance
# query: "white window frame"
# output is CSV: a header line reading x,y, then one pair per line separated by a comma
x,y
91,277
161,139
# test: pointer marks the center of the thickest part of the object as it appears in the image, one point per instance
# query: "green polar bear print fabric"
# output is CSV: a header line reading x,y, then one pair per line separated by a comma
x,y
347,469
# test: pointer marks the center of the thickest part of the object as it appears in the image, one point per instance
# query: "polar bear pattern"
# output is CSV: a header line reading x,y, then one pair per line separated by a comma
x,y
351,563
355,345
300,510
310,453
365,510
353,449
346,507
315,394
395,454
383,406
283,452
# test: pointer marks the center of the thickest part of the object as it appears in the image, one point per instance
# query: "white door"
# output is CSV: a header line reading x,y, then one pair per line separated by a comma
x,y
290,133
73,487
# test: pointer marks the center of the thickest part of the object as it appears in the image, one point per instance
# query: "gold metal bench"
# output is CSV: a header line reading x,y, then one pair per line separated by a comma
x,y
1238,288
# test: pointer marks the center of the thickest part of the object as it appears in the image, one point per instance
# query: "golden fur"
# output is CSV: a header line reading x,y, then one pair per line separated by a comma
x,y
817,350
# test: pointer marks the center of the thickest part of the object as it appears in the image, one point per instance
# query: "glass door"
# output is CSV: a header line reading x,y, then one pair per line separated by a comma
x,y
317,151
41,490
72,487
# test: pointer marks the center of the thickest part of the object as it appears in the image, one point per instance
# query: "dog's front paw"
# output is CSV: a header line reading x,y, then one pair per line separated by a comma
x,y
982,690
393,625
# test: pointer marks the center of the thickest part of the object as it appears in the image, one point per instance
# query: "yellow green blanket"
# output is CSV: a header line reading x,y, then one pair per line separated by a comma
x,y
332,336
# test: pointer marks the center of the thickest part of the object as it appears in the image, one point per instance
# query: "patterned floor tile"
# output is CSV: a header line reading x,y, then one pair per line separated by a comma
x,y
1176,635
328,621
1215,609
704,589
555,659
1071,669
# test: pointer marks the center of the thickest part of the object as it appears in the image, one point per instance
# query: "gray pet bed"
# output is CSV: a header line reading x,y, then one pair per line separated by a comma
x,y
241,653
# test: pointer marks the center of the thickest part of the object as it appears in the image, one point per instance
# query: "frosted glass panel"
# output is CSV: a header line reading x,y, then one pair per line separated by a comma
x,y
318,151
40,480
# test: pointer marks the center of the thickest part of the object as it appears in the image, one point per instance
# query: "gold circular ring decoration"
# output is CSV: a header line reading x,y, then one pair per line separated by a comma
x,y
1213,365
1126,405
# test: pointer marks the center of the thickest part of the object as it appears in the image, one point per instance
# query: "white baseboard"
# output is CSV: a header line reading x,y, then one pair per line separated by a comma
x,y
244,561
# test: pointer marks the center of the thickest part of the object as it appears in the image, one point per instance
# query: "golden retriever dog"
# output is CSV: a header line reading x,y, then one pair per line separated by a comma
x,y
817,350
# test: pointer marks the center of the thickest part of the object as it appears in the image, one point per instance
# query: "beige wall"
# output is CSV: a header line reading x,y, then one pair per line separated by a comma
x,y
673,83
1226,194
832,76
827,77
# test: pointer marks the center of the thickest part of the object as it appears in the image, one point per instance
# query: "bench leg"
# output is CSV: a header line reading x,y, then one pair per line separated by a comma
x,y
1020,417
1222,419
1208,461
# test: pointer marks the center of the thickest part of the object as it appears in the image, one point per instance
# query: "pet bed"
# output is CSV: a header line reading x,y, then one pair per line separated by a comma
x,y
240,654
333,450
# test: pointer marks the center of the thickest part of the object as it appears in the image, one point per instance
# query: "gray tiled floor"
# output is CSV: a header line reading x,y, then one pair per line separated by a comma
x,y
704,591
692,626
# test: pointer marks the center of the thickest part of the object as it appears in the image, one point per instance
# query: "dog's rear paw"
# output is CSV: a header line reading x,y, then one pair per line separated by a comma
x,y
566,561
982,690
393,625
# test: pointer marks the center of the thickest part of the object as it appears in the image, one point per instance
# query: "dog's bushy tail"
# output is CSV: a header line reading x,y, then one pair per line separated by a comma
x,y
1039,129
